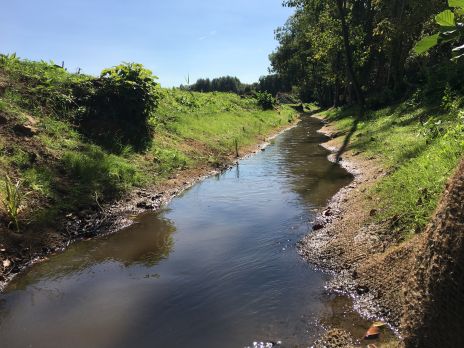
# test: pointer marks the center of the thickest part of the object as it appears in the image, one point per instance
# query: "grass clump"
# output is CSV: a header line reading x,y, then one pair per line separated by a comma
x,y
12,201
94,170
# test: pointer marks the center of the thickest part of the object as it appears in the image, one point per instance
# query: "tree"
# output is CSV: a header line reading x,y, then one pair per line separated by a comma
x,y
312,55
220,84
349,57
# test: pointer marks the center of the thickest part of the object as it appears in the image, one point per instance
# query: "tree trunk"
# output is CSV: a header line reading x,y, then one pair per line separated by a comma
x,y
341,4
349,59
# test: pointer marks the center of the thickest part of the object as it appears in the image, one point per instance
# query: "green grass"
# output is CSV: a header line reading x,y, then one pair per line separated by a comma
x,y
419,148
65,171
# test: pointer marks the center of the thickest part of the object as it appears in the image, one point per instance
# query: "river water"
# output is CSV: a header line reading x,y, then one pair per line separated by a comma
x,y
218,267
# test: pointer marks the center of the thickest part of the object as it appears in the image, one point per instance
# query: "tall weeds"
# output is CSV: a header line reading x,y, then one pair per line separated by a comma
x,y
12,201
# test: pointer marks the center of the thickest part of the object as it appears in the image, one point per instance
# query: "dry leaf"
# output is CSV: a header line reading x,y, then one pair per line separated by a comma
x,y
373,332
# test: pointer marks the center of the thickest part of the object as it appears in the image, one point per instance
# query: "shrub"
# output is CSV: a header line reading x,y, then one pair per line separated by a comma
x,y
265,100
118,112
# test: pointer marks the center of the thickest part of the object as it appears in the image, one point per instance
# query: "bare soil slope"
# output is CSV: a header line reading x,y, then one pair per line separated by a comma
x,y
434,312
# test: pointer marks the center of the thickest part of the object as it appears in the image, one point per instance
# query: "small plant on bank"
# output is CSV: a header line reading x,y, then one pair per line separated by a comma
x,y
12,201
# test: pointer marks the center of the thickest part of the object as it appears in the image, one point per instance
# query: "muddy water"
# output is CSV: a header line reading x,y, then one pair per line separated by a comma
x,y
217,268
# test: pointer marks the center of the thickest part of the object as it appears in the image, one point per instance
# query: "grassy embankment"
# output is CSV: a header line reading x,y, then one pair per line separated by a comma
x,y
63,171
419,148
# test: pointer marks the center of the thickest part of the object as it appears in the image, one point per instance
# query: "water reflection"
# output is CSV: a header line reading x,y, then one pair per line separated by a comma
x,y
313,177
145,243
218,268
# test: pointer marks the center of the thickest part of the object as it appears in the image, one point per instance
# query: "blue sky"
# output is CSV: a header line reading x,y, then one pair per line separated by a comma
x,y
174,38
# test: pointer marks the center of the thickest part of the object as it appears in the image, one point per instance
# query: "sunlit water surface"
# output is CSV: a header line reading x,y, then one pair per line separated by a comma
x,y
217,268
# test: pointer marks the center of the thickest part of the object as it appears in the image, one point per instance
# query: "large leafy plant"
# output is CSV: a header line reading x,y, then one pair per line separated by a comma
x,y
118,112
450,30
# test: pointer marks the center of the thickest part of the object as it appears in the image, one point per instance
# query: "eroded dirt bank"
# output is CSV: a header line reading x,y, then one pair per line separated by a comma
x,y
415,286
19,251
346,243
434,312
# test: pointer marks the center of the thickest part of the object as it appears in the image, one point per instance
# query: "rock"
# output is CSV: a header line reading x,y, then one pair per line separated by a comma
x,y
6,263
328,212
145,205
361,289
24,131
31,120
318,226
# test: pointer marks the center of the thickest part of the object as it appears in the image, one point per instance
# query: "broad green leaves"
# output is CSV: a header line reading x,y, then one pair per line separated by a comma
x,y
449,29
456,3
426,43
446,19
458,6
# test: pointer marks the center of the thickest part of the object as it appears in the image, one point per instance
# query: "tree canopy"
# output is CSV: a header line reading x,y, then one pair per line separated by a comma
x,y
382,35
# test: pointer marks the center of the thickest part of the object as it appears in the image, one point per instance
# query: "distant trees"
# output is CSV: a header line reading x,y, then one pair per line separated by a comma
x,y
221,84
273,84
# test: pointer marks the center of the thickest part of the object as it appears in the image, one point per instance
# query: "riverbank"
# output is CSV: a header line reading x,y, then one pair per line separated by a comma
x,y
214,254
72,187
113,216
370,233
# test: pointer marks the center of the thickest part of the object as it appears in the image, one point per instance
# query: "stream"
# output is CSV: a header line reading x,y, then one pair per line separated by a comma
x,y
217,267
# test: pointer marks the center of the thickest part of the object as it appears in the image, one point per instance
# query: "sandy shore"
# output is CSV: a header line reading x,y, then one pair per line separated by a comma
x,y
348,243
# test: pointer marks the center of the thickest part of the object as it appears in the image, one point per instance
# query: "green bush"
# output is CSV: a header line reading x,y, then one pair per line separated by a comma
x,y
118,112
265,100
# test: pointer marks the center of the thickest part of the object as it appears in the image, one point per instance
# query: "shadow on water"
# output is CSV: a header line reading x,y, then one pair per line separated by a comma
x,y
218,268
